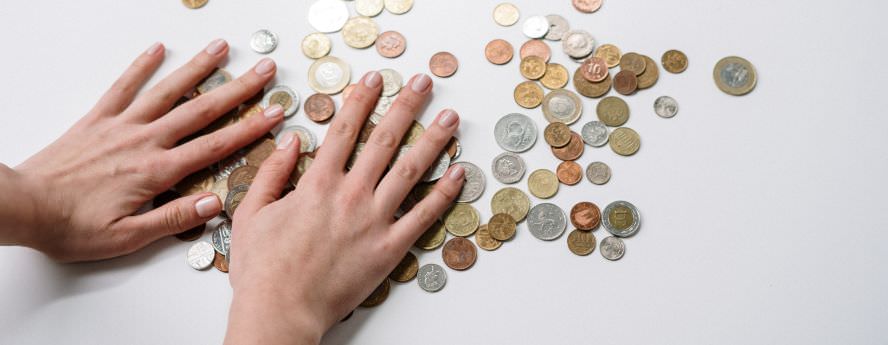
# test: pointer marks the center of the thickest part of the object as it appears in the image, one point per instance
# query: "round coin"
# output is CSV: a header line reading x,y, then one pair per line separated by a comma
x,y
542,183
562,106
319,107
558,26
443,64
398,6
585,216
511,201
391,44
633,62
506,14
200,255
378,295
263,41
502,227
598,173
221,237
674,61
406,269
665,107
431,277
499,52
734,75
626,82
433,237
624,141
557,134
360,32
535,27
391,81
594,133
581,242
588,88
438,168
257,153
462,220
220,262
369,8
328,15
484,240
242,176
612,248
577,44
528,94
650,75
621,219
546,221
284,96
234,198
316,45
572,151
594,69
459,253
535,47
613,111
195,4
569,173
328,75
532,67
508,168
610,53
474,183
218,78
587,6
556,76
307,140
515,132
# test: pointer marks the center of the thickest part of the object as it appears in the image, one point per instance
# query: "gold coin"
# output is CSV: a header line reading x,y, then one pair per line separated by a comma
x,y
624,141
674,61
528,94
413,134
194,4
406,269
484,240
610,53
198,182
502,227
398,6
512,201
633,62
557,134
506,14
581,242
621,217
328,75
556,76
432,238
533,67
360,32
462,220
378,295
220,188
734,75
613,111
316,45
542,183
650,75
590,89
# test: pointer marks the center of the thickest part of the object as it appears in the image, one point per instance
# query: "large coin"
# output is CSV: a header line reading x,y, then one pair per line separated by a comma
x,y
734,75
577,44
674,61
459,253
508,168
369,8
433,237
585,216
588,88
542,183
391,44
234,198
200,255
535,27
546,221
474,185
558,26
378,295
536,47
406,269
506,14
284,96
431,277
316,45
360,32
528,94
462,220
515,132
499,51
328,75
328,15
612,248
511,201
263,41
598,173
594,133
443,64
621,219
562,106
581,242
665,107
502,227
613,111
625,141
610,53
484,240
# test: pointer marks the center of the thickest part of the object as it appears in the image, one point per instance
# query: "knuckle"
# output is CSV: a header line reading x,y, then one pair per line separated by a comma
x,y
384,138
424,215
406,171
344,129
214,145
408,101
361,96
446,194
174,219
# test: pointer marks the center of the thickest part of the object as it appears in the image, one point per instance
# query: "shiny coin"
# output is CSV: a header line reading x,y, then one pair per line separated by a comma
x,y
462,220
535,27
433,237
369,8
438,168
506,14
391,44
625,82
234,198
221,237
319,107
220,188
612,248
391,81
307,140
621,219
459,253
502,227
577,44
508,168
556,76
562,106
431,277
263,41
587,6
633,62
542,183
382,107
499,52
585,216
558,26
443,64
569,173
610,53
528,94
581,242
515,132
217,79
665,107
535,47
474,185
557,134
379,295
588,88
674,61
360,32
650,75
328,75
734,75
328,15
406,269
594,133
546,221
220,262
613,111
398,6
625,141
195,4
316,45
598,173
284,96
454,148
511,201
572,151
200,255
532,67
484,240
594,69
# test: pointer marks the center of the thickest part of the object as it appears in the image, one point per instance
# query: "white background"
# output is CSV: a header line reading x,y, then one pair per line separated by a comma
x,y
764,218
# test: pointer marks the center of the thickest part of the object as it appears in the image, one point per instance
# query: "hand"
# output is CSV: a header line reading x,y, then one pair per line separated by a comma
x,y
301,263
85,188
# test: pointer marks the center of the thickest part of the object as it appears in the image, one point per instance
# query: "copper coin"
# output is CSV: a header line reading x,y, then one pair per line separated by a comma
x,y
391,44
347,91
191,234
585,216
535,48
581,242
594,69
453,148
259,151
588,88
571,151
378,295
569,173
443,64
459,253
502,226
485,240
243,175
557,134
626,82
587,6
406,269
499,52
220,263
319,107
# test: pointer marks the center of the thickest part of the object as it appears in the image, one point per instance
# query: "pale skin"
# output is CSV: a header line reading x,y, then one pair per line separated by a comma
x,y
77,199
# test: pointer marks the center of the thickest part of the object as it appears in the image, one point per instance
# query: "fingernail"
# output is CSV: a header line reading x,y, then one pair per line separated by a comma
x,y
448,118
274,110
456,173
154,48
265,66
372,79
216,46
286,140
208,206
421,83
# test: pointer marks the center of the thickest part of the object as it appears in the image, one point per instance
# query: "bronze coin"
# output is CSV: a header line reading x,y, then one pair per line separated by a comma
x,y
378,295
650,75
569,173
220,263
259,151
391,44
581,242
594,69
499,52
585,216
587,6
633,62
588,88
195,4
406,269
572,151
234,198
319,107
191,234
625,82
557,134
535,47
443,64
502,226
485,240
674,61
459,253
243,175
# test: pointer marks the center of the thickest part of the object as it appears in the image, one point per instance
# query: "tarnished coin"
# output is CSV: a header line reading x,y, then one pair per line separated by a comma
x,y
665,107
650,75
499,52
674,61
598,173
532,67
506,14
502,227
508,168
734,75
528,94
557,134
221,237
328,75
438,168
610,53
378,295
242,176
391,81
511,201
587,6
459,253
474,185
366,130
621,219
360,32
257,153
535,27
284,96
200,255
572,151
414,133
515,132
594,133
433,237
218,78
316,45
569,173
558,26
369,8
594,69
624,141
612,248
633,62
391,44
625,82
406,269
556,76
328,15
484,240
431,277
577,44
263,41
588,88
398,6
581,242
195,4
546,221
462,220
613,111
220,262
443,64
535,47
542,183
585,216
319,107
562,106
307,140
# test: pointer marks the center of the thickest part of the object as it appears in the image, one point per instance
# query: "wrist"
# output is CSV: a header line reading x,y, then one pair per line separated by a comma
x,y
19,218
268,317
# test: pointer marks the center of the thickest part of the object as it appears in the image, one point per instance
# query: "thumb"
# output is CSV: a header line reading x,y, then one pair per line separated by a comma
x,y
273,175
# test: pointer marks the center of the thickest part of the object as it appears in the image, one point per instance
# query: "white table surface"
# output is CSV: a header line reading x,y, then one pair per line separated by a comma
x,y
764,218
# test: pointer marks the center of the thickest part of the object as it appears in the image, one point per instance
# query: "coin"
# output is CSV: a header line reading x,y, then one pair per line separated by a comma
x,y
360,32
391,81
546,221
590,89
594,133
587,6
613,111
200,255
581,242
506,14
218,78
198,182
633,62
625,82
569,173
242,176
598,173
498,52
234,198
577,44
454,148
557,134
484,240
585,216
369,8
535,47
191,234
562,106
302,165
612,248
412,138
515,132
474,185
557,27
621,219
572,151
674,61
284,96
328,15
221,237
462,220
431,277
542,183
528,94
220,262
665,107
625,141
650,75
502,227
406,269
533,67
459,253
610,53
594,69
535,27
257,153
443,64
382,107
508,168
378,295
328,75
220,188
512,201
398,6
433,237
263,41
556,76
438,168
194,4
307,140
391,44
734,75
316,45
319,107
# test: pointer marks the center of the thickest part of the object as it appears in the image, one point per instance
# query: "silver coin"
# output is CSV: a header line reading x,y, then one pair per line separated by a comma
x,y
369,8
221,237
612,248
515,132
229,206
200,255
329,75
558,26
577,44
273,93
227,165
217,79
307,140
563,106
626,216
263,41
474,185
535,27
508,168
391,82
665,106
328,15
438,168
598,173
594,133
431,277
458,150
546,221
382,107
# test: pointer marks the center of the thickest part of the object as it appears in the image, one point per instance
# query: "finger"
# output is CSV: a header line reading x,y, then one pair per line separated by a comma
x,y
201,111
407,229
387,135
160,98
122,92
176,216
343,131
406,172
273,175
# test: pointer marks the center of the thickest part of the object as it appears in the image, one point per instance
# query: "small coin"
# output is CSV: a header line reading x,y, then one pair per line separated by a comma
x,y
398,6
650,75
562,106
200,255
218,78
508,168
433,237
391,81
598,173
674,61
369,8
612,248
220,262
557,134
528,94
406,269
462,220
624,141
585,216
484,240
556,76
581,242
499,52
577,44
621,219
328,15
613,111
610,53
633,62
360,32
474,184
535,47
316,45
588,88
665,107
431,277
502,227
234,198
221,237
535,27
391,44
569,173
319,107
328,75
263,41
506,14
594,69
542,183
625,82
443,64
572,151
533,67
512,201
242,176
195,4
546,221
284,96
594,133
378,295
557,27
587,6
459,253
734,75
515,132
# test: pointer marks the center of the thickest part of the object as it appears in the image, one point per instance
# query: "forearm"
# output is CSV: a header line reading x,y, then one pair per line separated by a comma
x,y
262,318
18,216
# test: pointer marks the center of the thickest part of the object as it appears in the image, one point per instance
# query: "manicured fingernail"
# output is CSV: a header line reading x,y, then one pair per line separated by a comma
x,y
216,46
265,66
372,79
421,83
286,140
456,172
274,110
448,118
154,48
208,206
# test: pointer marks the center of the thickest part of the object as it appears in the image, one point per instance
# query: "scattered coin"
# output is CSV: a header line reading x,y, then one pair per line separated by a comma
x,y
398,6
515,132
562,106
613,111
257,153
674,61
484,240
598,173
432,238
369,8
195,4
610,53
572,151
200,255
360,32
307,140
462,220
454,148
734,75
595,133
220,262
391,44
542,183
316,45
406,269
594,69
650,75
474,184
546,221
557,27
535,27
624,141
218,78
499,52
612,248
587,6
284,96
459,253
633,62
506,14
528,94
569,173
263,41
378,295
511,201
621,219
533,67
577,44
391,81
328,75
319,107
557,134
625,82
665,107
502,227
508,168
431,277
556,76
443,64
328,15
590,89
585,216
438,168
535,47
581,242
